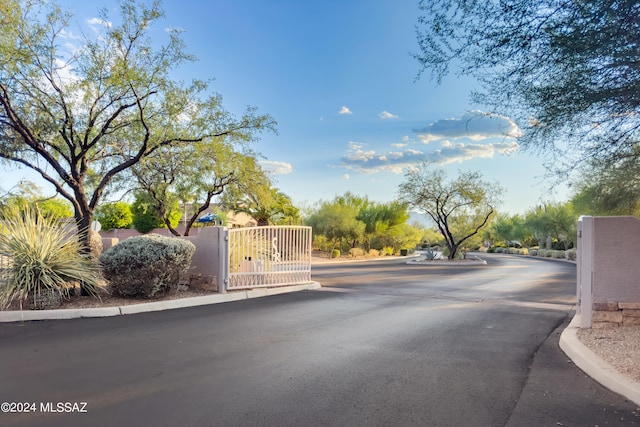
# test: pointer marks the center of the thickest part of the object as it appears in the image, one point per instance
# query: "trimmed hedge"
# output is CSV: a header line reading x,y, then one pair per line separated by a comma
x,y
146,266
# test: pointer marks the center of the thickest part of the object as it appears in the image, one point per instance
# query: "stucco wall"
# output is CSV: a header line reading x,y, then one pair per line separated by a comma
x,y
616,260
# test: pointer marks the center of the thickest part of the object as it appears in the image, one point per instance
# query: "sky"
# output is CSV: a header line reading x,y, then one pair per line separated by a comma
x,y
339,78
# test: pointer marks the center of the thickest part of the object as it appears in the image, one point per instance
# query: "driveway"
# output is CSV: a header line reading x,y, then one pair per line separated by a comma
x,y
382,344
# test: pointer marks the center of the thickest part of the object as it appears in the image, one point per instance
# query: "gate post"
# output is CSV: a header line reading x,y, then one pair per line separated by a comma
x,y
585,271
223,260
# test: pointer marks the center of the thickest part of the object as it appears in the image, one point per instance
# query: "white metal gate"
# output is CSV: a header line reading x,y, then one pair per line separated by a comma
x,y
268,256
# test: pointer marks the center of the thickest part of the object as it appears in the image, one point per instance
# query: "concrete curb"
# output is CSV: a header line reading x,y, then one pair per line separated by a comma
x,y
594,366
322,261
473,260
28,315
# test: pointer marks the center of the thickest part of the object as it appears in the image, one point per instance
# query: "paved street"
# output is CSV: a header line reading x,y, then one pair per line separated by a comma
x,y
382,344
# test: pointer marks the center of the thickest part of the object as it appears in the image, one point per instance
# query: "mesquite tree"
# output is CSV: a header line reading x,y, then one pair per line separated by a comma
x,y
82,111
459,207
567,71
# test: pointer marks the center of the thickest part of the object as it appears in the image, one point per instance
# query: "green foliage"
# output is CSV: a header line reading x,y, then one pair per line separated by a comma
x,y
178,173
267,205
555,220
146,218
388,251
379,218
510,230
432,236
55,208
609,188
146,266
337,222
114,215
430,254
82,111
356,252
350,222
26,194
321,242
566,71
460,207
399,236
44,257
335,253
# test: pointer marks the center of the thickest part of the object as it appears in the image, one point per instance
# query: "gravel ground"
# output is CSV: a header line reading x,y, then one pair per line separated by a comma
x,y
619,346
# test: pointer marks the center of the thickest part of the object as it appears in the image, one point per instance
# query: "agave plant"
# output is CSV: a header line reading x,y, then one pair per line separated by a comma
x,y
431,254
43,257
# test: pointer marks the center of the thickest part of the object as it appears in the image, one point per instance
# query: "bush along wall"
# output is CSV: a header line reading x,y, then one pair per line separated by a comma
x,y
146,266
569,254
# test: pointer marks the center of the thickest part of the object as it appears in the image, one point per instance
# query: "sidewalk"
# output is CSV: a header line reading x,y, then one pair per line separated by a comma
x,y
596,367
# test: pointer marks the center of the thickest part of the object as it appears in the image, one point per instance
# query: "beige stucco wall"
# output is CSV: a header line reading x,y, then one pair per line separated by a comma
x,y
206,258
616,259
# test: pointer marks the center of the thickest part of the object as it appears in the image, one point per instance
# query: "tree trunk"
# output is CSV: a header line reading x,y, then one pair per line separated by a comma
x,y
452,252
83,224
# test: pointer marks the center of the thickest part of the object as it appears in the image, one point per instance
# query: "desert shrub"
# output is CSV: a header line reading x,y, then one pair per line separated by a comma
x,y
491,250
459,254
335,253
44,258
374,252
431,254
355,252
572,254
146,266
533,252
559,254
388,251
321,243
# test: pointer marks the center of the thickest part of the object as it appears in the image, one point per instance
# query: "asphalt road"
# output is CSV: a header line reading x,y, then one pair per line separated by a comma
x,y
382,344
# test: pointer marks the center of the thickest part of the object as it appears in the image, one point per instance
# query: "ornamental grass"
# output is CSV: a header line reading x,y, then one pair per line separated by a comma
x,y
43,258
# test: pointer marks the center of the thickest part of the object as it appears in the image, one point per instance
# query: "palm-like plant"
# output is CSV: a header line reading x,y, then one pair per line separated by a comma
x,y
43,257
268,205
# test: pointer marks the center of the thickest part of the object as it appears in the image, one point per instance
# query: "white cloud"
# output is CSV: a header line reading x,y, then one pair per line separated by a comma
x,y
346,176
95,22
278,168
457,153
387,115
476,135
369,161
474,125
345,110
446,143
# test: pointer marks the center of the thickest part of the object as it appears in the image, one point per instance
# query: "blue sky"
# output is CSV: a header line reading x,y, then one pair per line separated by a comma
x,y
338,77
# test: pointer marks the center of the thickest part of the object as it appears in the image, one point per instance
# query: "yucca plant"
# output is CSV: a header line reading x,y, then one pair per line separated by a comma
x,y
43,257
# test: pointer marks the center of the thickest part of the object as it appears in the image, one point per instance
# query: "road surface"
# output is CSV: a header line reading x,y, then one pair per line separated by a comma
x,y
382,344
